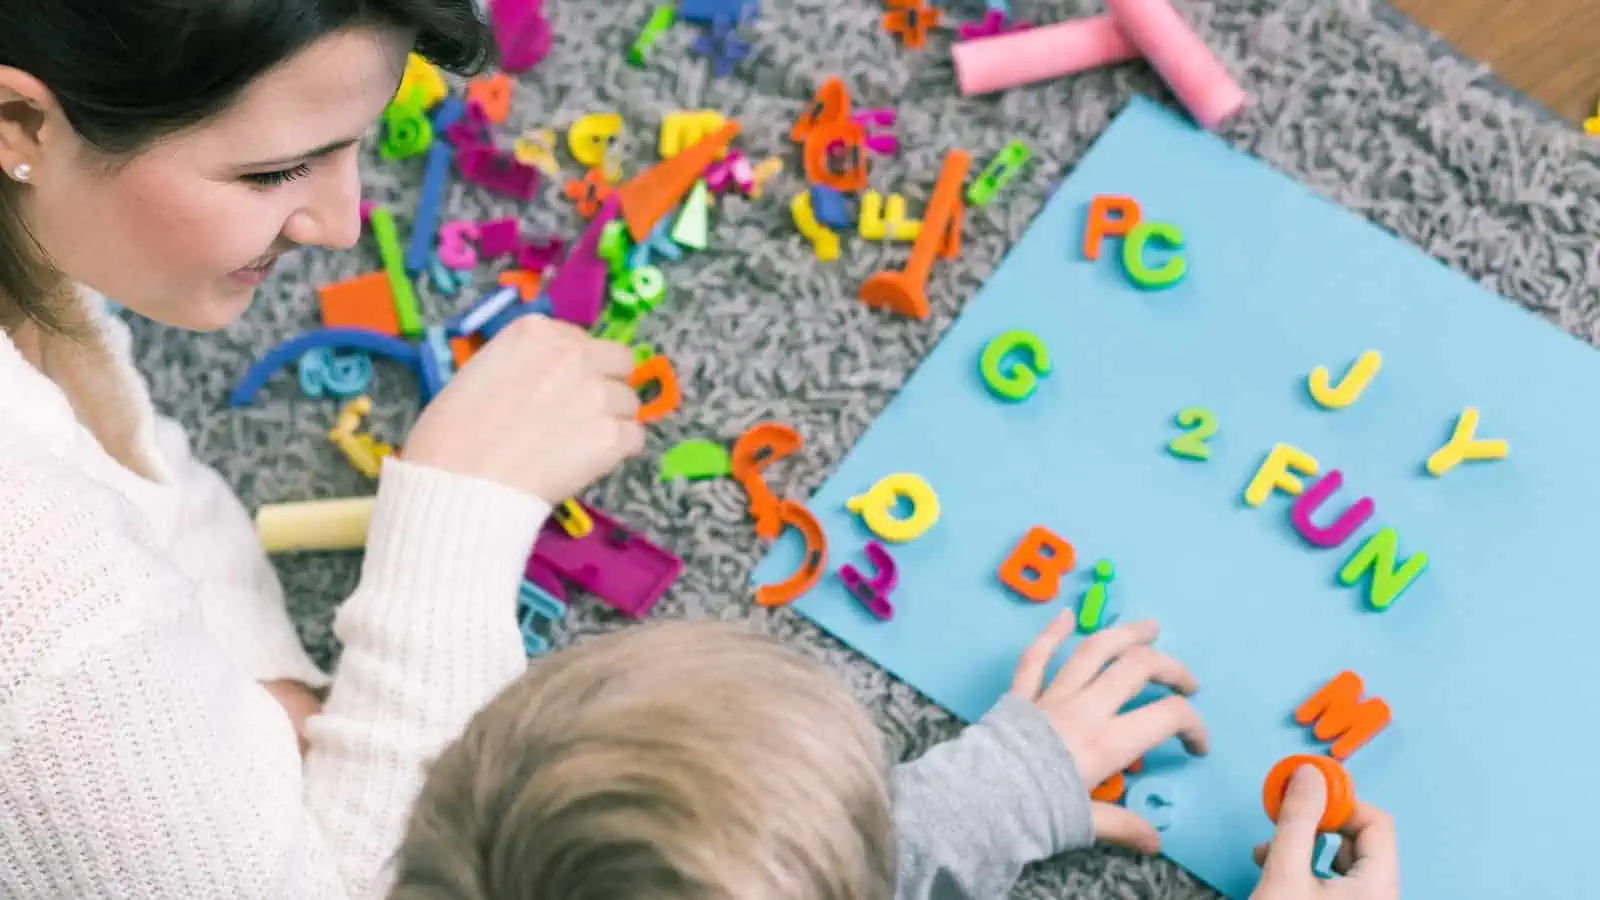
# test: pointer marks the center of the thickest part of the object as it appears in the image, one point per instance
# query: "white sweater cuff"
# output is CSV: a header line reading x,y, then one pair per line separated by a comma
x,y
453,543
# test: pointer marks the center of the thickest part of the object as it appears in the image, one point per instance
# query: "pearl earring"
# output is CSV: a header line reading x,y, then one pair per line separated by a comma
x,y
22,172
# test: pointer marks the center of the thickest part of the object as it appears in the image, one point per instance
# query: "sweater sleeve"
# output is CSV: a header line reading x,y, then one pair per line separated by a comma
x,y
430,636
972,812
138,761
240,596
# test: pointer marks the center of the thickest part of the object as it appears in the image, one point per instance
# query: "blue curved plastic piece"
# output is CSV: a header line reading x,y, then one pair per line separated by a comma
x,y
1154,798
373,342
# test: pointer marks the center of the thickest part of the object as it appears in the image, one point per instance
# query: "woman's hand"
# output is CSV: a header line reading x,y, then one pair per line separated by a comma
x,y
1367,858
298,701
543,408
1085,700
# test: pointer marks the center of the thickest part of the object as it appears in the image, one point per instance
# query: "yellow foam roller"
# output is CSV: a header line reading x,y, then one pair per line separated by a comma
x,y
315,525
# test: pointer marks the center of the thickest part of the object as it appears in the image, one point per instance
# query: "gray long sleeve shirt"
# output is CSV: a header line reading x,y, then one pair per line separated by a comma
x,y
973,811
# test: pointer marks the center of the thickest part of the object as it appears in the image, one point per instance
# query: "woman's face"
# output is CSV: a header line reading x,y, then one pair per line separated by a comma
x,y
185,231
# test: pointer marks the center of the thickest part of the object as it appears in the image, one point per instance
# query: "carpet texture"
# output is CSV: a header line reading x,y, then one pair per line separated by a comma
x,y
1347,97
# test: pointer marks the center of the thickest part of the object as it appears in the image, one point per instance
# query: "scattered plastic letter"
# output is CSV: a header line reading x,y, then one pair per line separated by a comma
x,y
1101,224
1043,554
1350,387
1021,379
1307,504
876,507
1341,802
824,243
874,592
1465,445
1277,473
1170,272
1388,582
590,137
1340,715
1093,609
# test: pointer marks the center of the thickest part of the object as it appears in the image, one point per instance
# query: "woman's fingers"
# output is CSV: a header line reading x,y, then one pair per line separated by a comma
x,y
1098,650
1116,825
1132,734
609,359
1290,855
620,401
1132,672
1028,681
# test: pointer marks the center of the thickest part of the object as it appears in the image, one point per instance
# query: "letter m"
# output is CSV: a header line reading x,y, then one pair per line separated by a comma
x,y
682,130
1342,716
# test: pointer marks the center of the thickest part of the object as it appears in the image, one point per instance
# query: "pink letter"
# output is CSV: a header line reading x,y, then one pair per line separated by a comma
x,y
1308,503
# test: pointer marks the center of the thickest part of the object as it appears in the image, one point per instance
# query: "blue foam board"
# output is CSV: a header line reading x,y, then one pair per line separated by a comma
x,y
1488,661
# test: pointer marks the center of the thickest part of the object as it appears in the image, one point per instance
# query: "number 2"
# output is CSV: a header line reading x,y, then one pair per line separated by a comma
x,y
1193,445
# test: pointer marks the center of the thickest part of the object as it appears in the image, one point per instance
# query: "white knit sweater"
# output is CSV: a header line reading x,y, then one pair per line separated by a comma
x,y
139,756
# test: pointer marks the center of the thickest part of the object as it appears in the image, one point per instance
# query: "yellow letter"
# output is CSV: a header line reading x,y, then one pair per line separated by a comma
x,y
1276,474
590,137
685,129
1350,387
824,242
1464,445
876,507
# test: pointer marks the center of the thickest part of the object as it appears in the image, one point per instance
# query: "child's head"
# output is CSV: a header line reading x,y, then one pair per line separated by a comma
x,y
673,761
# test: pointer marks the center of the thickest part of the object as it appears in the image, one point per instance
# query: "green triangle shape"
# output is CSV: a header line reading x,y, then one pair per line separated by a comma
x,y
693,227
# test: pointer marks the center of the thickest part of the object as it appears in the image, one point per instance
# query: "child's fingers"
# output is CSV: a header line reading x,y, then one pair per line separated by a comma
x,y
1116,825
1132,734
1028,682
1290,855
1377,859
1131,673
1098,650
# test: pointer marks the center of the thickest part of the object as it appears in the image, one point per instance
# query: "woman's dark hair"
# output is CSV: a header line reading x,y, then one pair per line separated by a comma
x,y
128,72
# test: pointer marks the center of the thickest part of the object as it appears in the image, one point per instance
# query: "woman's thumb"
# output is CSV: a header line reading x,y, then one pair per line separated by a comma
x,y
1292,849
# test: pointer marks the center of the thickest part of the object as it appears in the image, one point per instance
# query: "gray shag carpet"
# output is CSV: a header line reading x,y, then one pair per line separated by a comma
x,y
1346,96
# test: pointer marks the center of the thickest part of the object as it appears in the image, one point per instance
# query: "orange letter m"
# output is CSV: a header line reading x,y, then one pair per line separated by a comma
x,y
1342,716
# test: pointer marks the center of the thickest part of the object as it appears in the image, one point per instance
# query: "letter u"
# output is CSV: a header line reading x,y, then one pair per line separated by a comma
x,y
1307,504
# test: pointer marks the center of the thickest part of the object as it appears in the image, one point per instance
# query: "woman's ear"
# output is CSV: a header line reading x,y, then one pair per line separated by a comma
x,y
26,106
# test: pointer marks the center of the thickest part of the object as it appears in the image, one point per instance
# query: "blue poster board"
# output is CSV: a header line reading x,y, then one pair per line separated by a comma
x,y
1488,661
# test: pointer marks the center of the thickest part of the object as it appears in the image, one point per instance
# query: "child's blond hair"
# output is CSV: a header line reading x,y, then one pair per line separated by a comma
x,y
672,761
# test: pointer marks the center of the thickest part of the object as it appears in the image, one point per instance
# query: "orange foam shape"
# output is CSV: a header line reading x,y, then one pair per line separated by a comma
x,y
656,369
362,302
656,191
906,292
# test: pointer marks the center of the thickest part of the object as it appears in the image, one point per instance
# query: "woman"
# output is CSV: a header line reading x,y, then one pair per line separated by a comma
x,y
151,686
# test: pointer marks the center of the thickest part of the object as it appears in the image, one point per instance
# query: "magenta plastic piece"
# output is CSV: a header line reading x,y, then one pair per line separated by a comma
x,y
873,594
578,290
498,237
875,121
473,129
620,568
499,172
521,32
731,169
1307,504
545,578
995,22
538,255
366,211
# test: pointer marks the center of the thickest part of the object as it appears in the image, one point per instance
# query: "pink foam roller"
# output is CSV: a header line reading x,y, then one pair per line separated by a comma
x,y
1190,68
1050,51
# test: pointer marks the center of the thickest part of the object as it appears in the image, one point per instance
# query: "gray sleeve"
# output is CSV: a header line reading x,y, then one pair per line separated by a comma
x,y
972,812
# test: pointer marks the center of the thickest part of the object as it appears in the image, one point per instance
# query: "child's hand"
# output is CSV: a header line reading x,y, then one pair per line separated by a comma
x,y
1367,859
1084,701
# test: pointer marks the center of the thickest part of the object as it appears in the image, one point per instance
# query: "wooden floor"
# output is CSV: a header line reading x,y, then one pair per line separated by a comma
x,y
1548,49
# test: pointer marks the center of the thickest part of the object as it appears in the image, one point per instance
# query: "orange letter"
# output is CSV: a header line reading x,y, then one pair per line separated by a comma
x,y
1342,716
1102,225
1047,568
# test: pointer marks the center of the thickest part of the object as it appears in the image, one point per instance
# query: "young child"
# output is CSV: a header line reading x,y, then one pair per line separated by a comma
x,y
699,760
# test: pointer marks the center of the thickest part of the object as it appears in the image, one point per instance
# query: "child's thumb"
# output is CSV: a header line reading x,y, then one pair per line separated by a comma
x,y
1295,844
